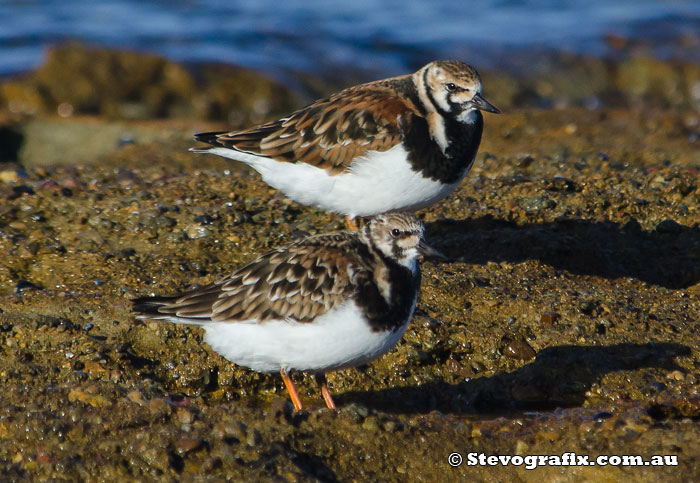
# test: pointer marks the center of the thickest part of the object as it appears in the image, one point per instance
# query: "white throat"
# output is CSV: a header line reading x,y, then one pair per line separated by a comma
x,y
467,117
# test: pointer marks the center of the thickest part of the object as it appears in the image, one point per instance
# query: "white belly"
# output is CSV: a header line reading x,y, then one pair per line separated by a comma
x,y
376,183
336,340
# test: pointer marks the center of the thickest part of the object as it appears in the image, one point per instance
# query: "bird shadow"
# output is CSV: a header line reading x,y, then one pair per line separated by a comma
x,y
559,377
668,256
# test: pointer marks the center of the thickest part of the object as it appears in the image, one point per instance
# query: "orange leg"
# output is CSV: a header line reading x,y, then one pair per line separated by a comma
x,y
353,224
291,389
323,384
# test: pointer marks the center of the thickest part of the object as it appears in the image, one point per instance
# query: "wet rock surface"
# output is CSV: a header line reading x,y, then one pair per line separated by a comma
x,y
566,320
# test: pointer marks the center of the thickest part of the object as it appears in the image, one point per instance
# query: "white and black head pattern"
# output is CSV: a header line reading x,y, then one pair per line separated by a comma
x,y
397,236
453,89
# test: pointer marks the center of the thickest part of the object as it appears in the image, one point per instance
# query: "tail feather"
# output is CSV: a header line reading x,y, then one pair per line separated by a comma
x,y
149,305
210,138
149,308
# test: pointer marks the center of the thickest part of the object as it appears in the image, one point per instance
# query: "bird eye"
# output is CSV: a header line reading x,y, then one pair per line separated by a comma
x,y
395,232
450,87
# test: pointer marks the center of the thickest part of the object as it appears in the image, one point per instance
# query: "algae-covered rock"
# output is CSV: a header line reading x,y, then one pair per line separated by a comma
x,y
76,79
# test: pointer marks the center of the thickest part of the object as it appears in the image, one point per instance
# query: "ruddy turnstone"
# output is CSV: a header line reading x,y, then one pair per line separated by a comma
x,y
397,144
323,303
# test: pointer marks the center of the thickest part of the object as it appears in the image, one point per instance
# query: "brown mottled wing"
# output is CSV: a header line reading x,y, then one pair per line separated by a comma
x,y
299,282
328,133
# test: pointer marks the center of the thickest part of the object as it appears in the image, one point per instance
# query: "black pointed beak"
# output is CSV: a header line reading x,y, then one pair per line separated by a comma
x,y
430,253
481,103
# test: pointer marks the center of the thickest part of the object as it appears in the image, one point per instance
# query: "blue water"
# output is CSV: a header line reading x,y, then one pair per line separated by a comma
x,y
377,37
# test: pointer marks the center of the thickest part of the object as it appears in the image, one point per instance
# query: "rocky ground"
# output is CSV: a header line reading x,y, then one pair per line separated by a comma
x,y
567,320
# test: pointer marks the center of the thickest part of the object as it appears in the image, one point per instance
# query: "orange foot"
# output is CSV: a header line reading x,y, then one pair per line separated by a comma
x,y
323,384
291,389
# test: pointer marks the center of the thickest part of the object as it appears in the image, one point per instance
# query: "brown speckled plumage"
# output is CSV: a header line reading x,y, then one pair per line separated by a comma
x,y
308,278
331,133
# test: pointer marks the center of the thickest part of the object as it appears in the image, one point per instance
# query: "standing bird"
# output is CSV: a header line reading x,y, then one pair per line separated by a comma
x,y
398,144
323,303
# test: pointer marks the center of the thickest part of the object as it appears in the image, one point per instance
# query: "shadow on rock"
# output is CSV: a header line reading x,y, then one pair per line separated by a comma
x,y
558,377
669,256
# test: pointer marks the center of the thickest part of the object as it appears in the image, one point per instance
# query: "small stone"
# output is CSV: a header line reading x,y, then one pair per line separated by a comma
x,y
21,190
370,424
602,416
477,367
184,416
519,349
196,231
212,464
205,219
85,396
136,397
548,319
570,128
158,405
155,457
254,438
230,432
525,162
537,203
9,176
452,365
176,237
521,447
675,375
185,445
25,285
94,367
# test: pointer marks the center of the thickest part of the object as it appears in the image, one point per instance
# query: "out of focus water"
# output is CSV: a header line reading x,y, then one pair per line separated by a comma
x,y
378,37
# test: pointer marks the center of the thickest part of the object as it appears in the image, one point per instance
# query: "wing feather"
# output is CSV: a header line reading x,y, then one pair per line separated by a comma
x,y
331,132
300,281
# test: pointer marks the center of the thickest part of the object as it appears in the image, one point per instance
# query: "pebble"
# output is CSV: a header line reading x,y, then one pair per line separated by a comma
x,y
9,176
519,349
370,424
184,416
25,285
86,396
158,405
675,375
537,203
197,231
254,438
549,318
521,447
185,445
136,397
478,367
176,237
205,219
452,365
